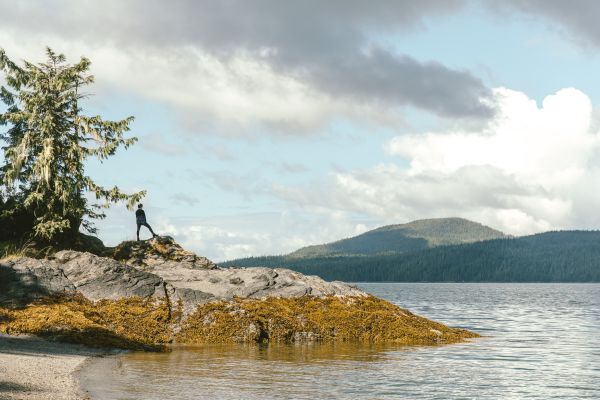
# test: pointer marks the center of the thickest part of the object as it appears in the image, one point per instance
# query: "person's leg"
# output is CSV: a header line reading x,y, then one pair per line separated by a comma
x,y
151,231
138,231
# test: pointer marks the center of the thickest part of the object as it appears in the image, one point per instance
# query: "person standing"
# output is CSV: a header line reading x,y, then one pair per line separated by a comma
x,y
140,217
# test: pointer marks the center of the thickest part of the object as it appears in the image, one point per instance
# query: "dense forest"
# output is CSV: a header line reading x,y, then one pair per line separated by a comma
x,y
564,256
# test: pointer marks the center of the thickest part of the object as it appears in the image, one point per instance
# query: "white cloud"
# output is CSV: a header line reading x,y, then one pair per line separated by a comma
x,y
241,68
550,145
236,96
532,169
226,237
238,93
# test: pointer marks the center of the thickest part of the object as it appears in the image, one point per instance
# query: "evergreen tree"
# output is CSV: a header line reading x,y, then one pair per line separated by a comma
x,y
46,145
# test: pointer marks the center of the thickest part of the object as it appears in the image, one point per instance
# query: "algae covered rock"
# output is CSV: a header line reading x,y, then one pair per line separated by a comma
x,y
127,323
154,292
308,318
161,250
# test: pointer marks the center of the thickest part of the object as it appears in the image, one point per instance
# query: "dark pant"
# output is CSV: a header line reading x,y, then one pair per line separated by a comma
x,y
139,225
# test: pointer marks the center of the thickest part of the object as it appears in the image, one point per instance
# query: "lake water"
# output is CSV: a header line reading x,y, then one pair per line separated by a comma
x,y
542,341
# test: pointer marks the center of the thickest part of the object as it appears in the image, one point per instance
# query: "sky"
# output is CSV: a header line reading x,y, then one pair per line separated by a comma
x,y
265,126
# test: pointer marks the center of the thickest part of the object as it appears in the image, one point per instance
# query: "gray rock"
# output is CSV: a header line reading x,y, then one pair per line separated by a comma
x,y
26,279
256,282
105,278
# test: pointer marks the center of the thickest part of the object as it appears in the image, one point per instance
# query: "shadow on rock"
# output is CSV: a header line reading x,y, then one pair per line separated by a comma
x,y
19,288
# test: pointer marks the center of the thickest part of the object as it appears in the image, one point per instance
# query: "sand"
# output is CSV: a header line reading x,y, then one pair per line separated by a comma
x,y
33,368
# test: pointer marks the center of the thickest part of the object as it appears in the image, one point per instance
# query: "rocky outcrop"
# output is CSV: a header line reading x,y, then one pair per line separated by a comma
x,y
24,279
106,278
152,293
195,286
71,271
159,251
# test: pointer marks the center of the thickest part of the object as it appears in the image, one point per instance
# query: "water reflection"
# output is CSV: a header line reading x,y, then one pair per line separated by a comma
x,y
243,371
299,354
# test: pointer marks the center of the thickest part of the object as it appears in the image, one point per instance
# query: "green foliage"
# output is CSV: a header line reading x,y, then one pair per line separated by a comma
x,y
404,238
47,142
568,256
15,220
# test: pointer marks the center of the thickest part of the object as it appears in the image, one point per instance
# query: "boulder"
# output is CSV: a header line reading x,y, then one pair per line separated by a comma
x,y
104,278
98,278
161,250
196,286
25,279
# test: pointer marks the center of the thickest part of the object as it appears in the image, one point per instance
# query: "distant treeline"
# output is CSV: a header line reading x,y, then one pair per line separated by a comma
x,y
565,256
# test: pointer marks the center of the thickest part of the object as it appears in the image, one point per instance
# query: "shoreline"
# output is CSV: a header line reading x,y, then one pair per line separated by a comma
x,y
33,368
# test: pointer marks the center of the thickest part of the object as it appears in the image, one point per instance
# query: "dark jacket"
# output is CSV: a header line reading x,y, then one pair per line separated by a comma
x,y
140,216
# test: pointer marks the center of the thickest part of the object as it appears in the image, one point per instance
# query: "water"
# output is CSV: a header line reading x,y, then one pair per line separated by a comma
x,y
542,341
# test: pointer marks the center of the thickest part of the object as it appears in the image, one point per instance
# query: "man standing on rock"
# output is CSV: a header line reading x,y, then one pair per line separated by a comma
x,y
140,217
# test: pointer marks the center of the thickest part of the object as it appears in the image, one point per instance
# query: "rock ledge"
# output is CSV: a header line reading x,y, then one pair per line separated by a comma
x,y
152,293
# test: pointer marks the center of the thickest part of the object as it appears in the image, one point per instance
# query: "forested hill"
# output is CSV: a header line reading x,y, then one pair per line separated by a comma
x,y
404,238
565,256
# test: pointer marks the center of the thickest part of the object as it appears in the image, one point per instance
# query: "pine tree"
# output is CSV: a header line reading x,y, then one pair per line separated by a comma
x,y
46,145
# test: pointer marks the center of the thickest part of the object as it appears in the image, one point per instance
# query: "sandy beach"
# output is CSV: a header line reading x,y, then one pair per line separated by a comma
x,y
33,368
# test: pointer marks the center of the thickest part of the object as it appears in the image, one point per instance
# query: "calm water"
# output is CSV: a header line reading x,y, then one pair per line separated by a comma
x,y
542,341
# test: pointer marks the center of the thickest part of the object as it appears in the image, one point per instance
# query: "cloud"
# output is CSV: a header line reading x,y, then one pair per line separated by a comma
x,y
580,18
185,199
534,168
241,66
248,184
293,168
229,237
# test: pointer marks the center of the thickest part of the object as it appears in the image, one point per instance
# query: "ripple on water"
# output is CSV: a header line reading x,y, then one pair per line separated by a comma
x,y
541,341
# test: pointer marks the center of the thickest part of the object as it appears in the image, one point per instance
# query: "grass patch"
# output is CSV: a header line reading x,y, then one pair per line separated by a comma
x,y
28,247
12,249
286,320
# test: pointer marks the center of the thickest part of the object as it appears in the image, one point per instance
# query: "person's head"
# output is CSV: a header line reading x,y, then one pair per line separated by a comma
x,y
140,205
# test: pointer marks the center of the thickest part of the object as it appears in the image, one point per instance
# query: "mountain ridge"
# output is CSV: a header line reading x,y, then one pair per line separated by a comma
x,y
401,238
554,256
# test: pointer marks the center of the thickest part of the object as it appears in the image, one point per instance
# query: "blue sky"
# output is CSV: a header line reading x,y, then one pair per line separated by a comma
x,y
266,126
